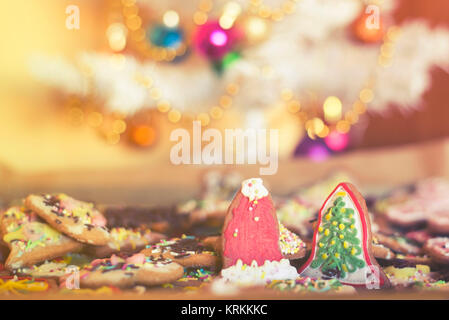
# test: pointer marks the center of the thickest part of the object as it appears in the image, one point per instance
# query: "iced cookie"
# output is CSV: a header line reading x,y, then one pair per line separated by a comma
x,y
251,229
31,241
55,268
127,272
310,285
438,222
188,251
408,276
398,244
192,279
165,220
342,242
292,247
438,249
77,219
125,241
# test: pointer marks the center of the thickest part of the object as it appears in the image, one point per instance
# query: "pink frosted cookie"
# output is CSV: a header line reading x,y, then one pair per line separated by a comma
x,y
342,242
438,249
77,219
251,229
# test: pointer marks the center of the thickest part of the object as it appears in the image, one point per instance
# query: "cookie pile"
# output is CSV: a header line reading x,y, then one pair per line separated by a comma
x,y
55,243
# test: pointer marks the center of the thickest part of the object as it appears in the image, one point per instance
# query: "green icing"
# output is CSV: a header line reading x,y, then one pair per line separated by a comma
x,y
338,246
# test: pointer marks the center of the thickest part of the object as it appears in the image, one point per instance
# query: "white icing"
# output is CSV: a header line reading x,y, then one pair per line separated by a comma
x,y
242,274
254,189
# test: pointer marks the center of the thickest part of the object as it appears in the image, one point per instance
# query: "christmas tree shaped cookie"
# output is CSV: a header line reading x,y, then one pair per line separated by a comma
x,y
342,242
251,228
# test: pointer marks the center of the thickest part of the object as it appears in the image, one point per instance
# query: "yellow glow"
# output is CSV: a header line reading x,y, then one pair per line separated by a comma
x,y
352,117
256,28
113,138
264,12
225,101
116,34
171,19
343,126
226,21
174,116
324,132
332,108
366,95
155,93
204,119
199,18
205,5
134,22
216,112
118,126
232,9
163,106
94,119
286,94
294,106
232,89
387,50
359,107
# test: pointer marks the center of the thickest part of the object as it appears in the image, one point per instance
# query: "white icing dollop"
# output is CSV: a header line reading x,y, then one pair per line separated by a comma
x,y
254,189
253,274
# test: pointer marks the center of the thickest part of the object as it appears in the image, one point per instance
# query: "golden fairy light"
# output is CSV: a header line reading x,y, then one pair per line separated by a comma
x,y
230,13
332,108
256,29
116,35
171,19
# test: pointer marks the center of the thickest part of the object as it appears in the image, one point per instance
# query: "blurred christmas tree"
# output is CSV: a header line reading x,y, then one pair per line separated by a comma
x,y
307,67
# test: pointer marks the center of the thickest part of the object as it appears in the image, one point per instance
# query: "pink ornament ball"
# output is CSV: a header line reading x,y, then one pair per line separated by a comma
x,y
214,42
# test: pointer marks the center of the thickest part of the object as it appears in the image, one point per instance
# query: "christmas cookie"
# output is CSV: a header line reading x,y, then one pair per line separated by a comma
x,y
292,247
438,222
188,251
408,276
251,229
382,252
55,268
164,220
296,216
125,241
31,241
192,279
438,249
77,219
310,285
408,214
127,272
342,242
398,243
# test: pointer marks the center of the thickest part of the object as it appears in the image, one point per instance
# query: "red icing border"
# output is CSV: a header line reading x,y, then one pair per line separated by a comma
x,y
364,232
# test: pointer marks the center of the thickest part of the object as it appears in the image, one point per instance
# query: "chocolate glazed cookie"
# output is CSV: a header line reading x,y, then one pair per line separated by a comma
x,y
188,251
